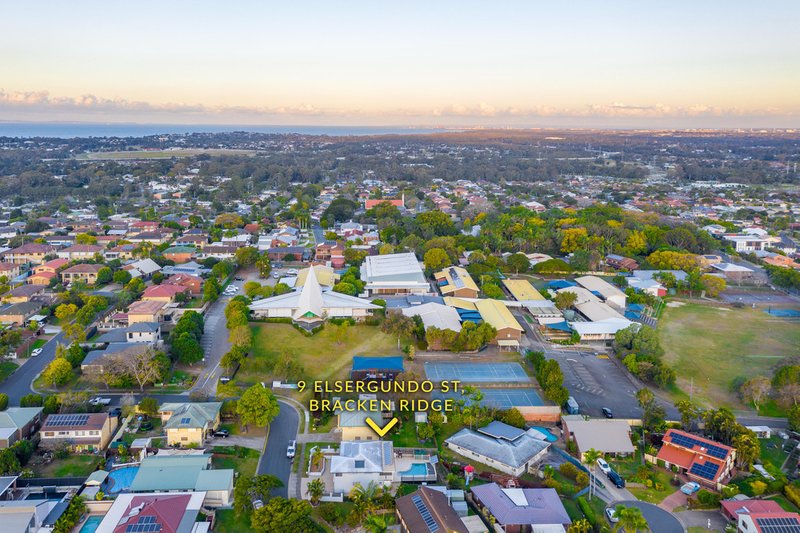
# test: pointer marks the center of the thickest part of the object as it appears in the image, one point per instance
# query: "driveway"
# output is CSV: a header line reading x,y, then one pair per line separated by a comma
x,y
254,443
659,520
702,518
274,461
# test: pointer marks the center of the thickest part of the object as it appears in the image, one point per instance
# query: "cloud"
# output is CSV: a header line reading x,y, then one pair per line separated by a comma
x,y
41,105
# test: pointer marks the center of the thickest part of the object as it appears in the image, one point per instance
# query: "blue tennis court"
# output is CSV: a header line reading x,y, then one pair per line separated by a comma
x,y
498,398
784,313
477,372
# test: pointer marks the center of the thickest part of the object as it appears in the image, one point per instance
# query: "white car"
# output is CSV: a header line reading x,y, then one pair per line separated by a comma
x,y
100,401
291,450
291,272
611,514
36,352
603,465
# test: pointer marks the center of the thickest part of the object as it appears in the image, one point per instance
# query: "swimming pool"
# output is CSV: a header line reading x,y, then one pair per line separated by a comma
x,y
546,432
91,524
120,480
419,469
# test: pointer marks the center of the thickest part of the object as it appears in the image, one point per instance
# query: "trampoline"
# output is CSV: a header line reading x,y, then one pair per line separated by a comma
x,y
477,372
498,398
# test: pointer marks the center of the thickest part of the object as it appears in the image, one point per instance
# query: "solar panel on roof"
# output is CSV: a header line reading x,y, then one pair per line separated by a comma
x,y
425,514
689,442
185,420
67,420
707,470
779,524
457,281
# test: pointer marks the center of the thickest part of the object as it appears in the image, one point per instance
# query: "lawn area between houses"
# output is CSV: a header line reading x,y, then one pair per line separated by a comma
x,y
227,521
710,346
321,356
74,465
243,460
7,368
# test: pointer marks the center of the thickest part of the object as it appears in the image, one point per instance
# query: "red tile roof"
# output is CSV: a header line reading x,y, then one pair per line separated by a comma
x,y
164,510
732,508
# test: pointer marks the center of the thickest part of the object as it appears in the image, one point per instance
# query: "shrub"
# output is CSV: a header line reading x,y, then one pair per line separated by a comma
x,y
758,487
792,494
568,469
587,511
708,499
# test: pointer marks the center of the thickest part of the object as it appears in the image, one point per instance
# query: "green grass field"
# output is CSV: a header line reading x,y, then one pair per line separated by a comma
x,y
159,154
6,369
321,356
244,466
74,465
710,346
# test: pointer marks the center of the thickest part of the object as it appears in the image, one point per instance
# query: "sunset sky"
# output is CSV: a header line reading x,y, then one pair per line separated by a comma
x,y
435,63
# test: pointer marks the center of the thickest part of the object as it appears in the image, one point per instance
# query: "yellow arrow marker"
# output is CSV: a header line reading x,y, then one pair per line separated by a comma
x,y
381,431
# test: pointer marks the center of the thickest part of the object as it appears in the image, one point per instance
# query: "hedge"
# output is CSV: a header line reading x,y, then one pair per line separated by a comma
x,y
587,511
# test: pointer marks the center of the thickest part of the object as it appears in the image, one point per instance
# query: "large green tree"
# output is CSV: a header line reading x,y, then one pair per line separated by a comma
x,y
257,406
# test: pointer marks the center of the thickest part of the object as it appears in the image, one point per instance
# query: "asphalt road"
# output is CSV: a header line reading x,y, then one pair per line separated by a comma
x,y
19,383
657,518
274,460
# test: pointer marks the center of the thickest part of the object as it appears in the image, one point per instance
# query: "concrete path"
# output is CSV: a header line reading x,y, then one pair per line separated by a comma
x,y
254,443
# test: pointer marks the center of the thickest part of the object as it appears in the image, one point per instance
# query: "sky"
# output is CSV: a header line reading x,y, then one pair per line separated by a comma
x,y
582,63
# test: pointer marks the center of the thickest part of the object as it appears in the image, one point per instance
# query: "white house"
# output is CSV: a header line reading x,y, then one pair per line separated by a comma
x,y
362,462
393,274
312,304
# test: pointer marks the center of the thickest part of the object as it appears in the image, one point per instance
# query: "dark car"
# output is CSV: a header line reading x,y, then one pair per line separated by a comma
x,y
221,433
238,278
607,412
146,426
117,411
616,479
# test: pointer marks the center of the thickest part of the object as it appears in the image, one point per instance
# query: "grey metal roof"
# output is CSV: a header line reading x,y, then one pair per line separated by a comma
x,y
522,506
512,453
501,430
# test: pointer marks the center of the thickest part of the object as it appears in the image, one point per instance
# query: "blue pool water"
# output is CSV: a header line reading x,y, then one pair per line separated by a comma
x,y
120,480
417,469
91,524
546,432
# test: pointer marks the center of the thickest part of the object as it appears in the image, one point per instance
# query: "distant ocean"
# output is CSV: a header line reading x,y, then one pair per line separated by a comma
x,y
68,130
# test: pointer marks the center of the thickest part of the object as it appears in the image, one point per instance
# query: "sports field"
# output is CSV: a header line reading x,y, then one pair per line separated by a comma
x,y
496,373
709,346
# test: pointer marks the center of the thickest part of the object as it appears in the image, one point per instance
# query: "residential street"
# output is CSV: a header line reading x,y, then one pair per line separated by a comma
x,y
274,461
19,384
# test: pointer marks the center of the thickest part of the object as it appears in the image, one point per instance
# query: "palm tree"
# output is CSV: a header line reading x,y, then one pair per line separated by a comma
x,y
590,457
315,490
630,520
580,526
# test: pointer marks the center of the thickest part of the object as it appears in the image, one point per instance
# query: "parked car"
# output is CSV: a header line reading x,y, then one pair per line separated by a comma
x,y
146,426
257,504
611,514
607,412
100,401
238,278
291,272
690,488
616,479
221,433
117,411
276,275
292,449
603,465
36,352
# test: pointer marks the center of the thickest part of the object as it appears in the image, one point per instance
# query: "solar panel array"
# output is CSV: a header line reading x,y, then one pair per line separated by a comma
x,y
707,470
67,420
425,514
185,420
779,525
146,524
689,442
457,281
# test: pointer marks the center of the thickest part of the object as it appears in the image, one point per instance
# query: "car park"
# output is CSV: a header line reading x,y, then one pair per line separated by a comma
x,y
603,465
690,488
607,412
616,479
292,449
36,352
611,514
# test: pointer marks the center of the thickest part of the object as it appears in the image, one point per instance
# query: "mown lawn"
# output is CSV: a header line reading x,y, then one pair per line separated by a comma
x,y
227,521
772,452
709,346
74,465
321,356
7,368
242,460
